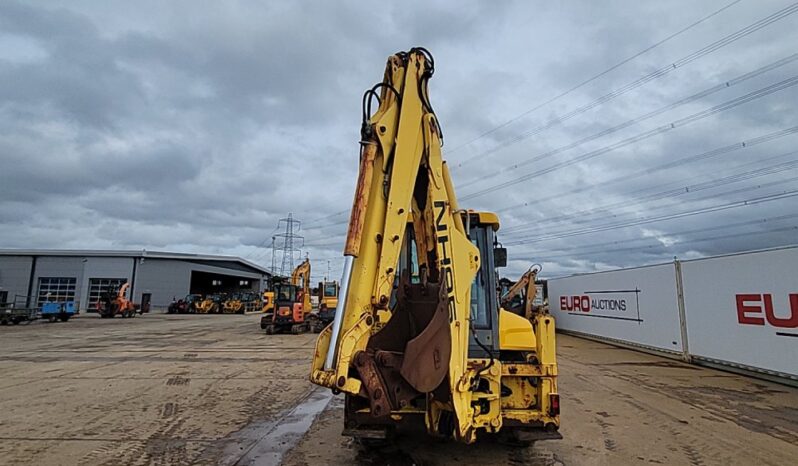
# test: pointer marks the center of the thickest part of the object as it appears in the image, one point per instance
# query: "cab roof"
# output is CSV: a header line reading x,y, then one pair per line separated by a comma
x,y
487,218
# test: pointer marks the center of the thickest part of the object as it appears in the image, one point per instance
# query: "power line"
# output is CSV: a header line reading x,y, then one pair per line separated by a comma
x,y
525,228
670,193
781,14
334,214
759,93
591,79
600,247
528,230
671,164
262,243
321,227
700,240
648,220
323,245
700,95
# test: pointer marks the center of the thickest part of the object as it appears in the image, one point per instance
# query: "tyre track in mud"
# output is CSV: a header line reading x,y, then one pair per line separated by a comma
x,y
155,390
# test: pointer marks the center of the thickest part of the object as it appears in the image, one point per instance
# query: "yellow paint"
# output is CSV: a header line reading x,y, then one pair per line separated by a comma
x,y
515,333
405,134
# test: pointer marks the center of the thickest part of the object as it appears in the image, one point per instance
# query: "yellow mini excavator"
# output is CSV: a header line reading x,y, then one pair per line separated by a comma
x,y
419,335
328,303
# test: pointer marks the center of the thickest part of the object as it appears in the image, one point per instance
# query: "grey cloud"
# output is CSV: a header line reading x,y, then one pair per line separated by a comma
x,y
196,128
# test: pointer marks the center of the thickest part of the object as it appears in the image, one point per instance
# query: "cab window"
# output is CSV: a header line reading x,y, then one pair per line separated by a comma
x,y
480,311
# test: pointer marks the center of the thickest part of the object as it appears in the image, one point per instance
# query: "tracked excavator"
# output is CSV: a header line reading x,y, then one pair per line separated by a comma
x,y
419,336
291,304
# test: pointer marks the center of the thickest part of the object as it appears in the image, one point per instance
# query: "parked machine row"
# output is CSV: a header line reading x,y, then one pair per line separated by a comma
x,y
238,302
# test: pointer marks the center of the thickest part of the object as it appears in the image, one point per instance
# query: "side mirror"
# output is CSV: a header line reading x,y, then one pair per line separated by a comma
x,y
500,257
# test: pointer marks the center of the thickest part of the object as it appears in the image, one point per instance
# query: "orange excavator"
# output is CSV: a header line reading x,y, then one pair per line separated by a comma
x,y
292,304
112,304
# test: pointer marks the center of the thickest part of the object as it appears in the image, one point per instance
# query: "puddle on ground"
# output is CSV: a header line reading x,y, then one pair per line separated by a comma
x,y
265,443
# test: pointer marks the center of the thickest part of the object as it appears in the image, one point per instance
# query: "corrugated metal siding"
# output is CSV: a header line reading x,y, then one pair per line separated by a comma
x,y
164,279
14,275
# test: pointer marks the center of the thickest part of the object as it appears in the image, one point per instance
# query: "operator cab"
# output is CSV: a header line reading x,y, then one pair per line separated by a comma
x,y
330,289
285,294
481,227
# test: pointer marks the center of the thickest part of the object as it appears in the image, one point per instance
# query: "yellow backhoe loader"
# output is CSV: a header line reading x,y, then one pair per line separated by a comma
x,y
520,297
419,335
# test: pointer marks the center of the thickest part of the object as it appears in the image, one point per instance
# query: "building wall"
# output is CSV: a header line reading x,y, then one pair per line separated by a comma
x,y
14,275
164,279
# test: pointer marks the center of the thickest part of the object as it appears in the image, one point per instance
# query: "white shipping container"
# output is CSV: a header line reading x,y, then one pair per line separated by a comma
x,y
743,309
638,306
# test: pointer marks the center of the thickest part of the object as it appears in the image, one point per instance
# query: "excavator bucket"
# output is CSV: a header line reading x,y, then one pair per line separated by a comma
x,y
409,356
427,355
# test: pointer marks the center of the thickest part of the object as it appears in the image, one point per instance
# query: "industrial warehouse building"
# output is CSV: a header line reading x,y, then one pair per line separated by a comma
x,y
30,277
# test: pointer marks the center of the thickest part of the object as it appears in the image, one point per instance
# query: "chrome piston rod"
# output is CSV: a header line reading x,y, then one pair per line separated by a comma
x,y
332,357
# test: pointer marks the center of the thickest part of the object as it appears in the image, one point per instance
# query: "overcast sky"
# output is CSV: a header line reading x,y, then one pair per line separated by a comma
x,y
195,126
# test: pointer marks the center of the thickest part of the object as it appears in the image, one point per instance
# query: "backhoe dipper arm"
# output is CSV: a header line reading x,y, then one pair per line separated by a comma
x,y
419,348
301,272
524,284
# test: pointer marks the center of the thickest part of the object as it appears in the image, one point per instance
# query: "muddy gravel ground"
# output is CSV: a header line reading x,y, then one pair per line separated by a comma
x,y
164,389
157,389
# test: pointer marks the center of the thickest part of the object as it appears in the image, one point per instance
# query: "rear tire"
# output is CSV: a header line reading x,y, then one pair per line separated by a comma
x,y
51,318
269,329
